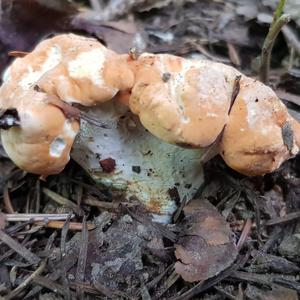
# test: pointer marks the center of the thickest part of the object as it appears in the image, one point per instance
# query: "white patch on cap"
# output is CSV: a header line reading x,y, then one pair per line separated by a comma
x,y
256,115
88,65
57,147
6,75
68,130
53,59
175,83
211,115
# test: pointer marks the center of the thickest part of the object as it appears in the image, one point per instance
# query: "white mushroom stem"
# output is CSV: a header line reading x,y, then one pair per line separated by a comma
x,y
160,175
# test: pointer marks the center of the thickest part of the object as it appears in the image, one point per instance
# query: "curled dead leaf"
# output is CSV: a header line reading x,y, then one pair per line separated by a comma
x,y
206,247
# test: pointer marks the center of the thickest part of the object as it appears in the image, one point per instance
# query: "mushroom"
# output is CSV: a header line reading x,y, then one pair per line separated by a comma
x,y
157,103
197,104
183,102
260,134
36,135
69,67
88,73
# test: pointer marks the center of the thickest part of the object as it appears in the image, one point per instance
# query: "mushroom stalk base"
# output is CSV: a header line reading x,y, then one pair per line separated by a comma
x,y
158,174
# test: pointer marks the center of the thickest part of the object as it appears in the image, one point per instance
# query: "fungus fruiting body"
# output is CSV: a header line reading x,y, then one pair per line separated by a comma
x,y
170,104
196,104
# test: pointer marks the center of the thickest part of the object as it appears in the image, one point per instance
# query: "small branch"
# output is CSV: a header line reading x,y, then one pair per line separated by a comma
x,y
27,281
75,226
245,234
278,22
20,249
282,220
6,199
63,201
82,257
17,53
35,217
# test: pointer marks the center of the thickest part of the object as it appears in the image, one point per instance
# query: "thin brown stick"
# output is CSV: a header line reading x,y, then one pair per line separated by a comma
x,y
7,203
285,219
63,201
26,282
74,226
244,235
17,53
82,257
35,217
63,242
21,250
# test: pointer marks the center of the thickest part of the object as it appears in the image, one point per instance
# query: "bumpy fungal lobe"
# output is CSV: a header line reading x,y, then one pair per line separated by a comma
x,y
260,134
181,101
42,141
193,104
70,67
88,74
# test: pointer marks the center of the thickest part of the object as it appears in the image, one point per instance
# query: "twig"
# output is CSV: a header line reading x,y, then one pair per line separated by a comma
x,y
207,54
6,199
50,241
35,217
49,284
82,257
64,278
180,209
63,201
90,188
17,53
233,55
72,112
287,283
90,200
72,225
261,279
152,283
244,235
281,220
278,22
25,243
24,284
69,262
167,284
21,250
274,237
103,289
160,228
225,293
38,196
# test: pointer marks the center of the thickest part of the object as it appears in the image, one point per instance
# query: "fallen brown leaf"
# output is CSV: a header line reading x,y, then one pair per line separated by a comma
x,y
206,247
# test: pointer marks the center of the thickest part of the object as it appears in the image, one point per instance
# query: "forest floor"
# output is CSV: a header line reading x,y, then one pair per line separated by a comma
x,y
103,249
